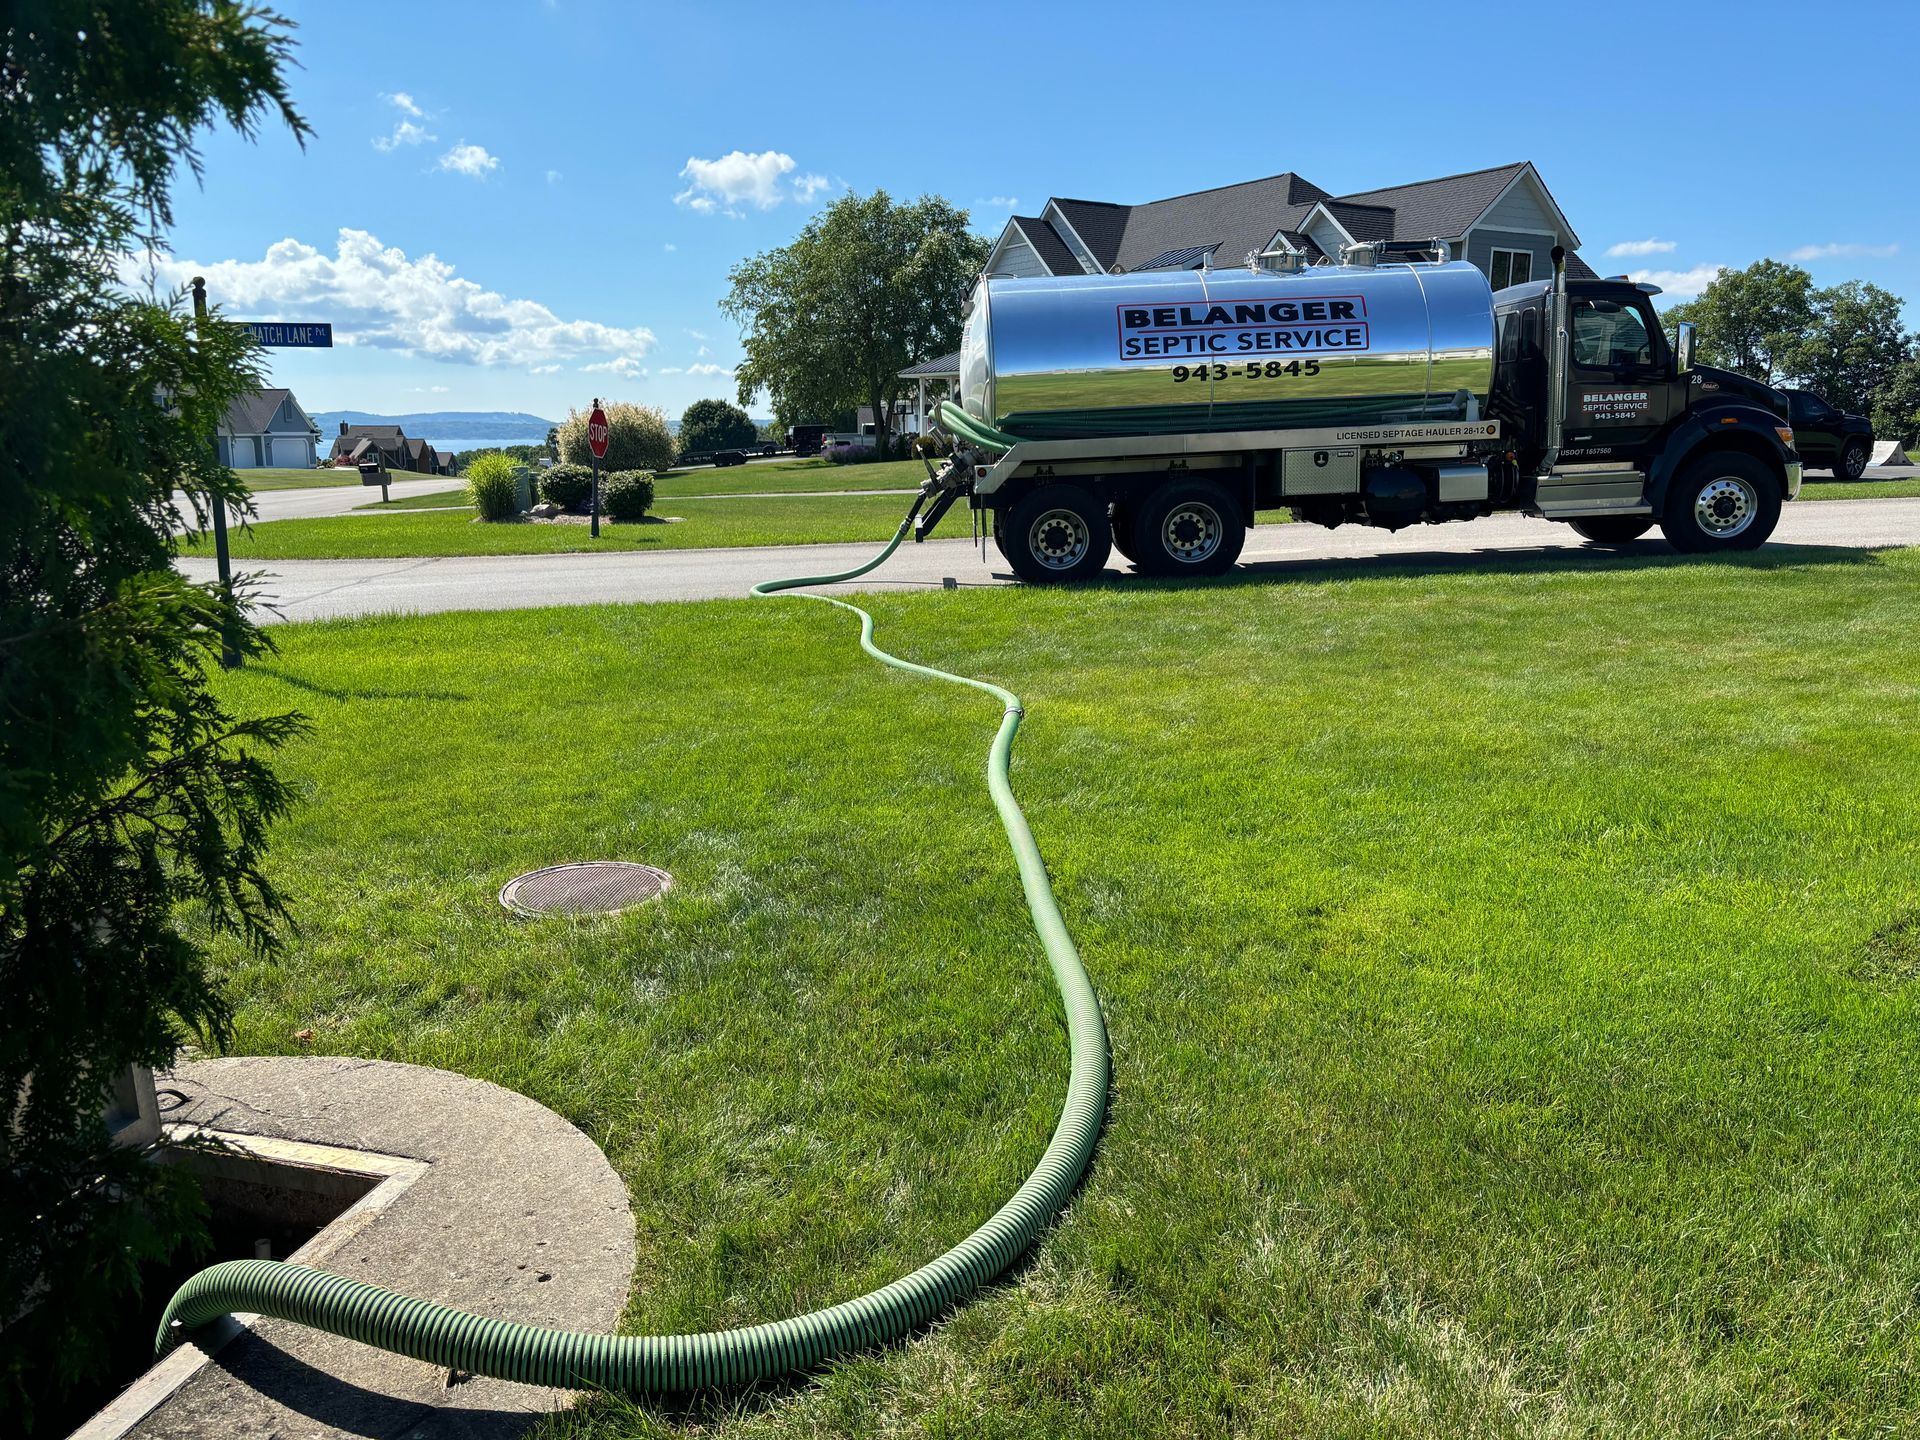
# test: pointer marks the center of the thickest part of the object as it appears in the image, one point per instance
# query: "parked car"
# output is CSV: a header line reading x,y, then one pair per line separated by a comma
x,y
1828,439
724,458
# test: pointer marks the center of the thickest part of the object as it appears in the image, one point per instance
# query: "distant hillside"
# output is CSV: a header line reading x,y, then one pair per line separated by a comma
x,y
449,429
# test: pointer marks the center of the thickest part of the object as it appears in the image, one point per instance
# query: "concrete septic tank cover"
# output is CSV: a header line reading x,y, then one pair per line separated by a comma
x,y
586,887
510,1212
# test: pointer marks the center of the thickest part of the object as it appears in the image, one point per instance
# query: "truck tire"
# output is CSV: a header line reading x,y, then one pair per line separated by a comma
x,y
1852,463
1188,527
1056,535
1612,529
1724,501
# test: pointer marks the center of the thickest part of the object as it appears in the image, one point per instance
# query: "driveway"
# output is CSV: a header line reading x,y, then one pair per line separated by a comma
x,y
315,589
329,499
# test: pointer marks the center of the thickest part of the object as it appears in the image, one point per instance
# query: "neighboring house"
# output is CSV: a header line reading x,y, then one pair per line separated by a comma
x,y
1504,220
266,428
420,457
365,444
443,462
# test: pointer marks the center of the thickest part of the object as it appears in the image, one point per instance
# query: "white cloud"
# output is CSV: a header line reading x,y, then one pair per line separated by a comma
x,y
1681,284
465,159
375,295
429,389
998,202
670,370
405,133
696,334
403,102
554,177
1642,247
669,247
708,370
738,178
703,351
1849,250
625,366
544,370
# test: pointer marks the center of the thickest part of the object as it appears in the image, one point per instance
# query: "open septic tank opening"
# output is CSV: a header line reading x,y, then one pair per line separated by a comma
x,y
257,1208
589,887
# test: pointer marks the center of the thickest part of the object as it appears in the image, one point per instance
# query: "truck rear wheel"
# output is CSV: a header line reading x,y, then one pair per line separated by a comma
x,y
1612,529
1724,501
1058,534
1188,527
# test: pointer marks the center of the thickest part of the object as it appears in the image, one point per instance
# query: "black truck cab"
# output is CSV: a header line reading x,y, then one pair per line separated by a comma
x,y
1636,422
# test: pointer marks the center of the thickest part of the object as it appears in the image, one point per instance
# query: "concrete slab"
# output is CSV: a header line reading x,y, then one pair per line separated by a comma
x,y
516,1215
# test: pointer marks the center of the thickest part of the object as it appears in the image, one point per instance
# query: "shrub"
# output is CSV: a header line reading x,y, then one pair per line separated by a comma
x,y
567,486
626,494
711,425
850,454
637,439
490,486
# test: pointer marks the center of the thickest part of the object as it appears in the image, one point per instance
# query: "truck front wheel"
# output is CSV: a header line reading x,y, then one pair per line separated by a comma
x,y
1057,534
1188,527
1724,501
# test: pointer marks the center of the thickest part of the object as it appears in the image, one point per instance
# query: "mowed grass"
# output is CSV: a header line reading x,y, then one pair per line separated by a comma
x,y
405,532
1512,973
1820,488
280,478
791,476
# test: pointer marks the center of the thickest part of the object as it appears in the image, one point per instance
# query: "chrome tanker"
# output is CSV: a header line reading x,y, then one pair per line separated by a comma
x,y
1157,413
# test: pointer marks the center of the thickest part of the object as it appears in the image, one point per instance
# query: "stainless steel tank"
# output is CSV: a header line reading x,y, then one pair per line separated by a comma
x,y
1192,350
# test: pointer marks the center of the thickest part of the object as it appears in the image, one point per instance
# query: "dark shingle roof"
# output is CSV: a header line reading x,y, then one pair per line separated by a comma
x,y
1186,259
252,413
1048,245
1099,226
1364,222
1232,218
419,449
940,365
1446,206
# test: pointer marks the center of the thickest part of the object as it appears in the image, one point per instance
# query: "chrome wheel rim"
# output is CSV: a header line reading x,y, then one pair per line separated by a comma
x,y
1059,539
1855,461
1191,532
1725,507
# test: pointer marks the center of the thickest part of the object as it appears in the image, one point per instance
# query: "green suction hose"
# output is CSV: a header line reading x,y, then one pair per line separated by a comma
x,y
661,1364
956,419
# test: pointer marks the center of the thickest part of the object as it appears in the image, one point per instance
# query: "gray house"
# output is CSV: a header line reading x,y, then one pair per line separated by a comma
x,y
266,428
1504,220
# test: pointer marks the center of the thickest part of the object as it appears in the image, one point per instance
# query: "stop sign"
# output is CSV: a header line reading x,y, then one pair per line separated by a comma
x,y
597,433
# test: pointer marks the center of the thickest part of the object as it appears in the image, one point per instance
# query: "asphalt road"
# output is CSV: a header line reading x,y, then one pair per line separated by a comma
x,y
316,589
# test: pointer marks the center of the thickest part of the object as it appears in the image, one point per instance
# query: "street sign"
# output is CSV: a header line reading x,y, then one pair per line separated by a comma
x,y
597,432
291,334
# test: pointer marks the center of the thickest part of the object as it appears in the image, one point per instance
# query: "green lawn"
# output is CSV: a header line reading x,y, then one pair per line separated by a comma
x,y
784,520
433,500
1511,972
781,476
1824,489
284,479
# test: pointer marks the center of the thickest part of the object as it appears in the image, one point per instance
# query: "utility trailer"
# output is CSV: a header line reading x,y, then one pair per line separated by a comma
x,y
1156,413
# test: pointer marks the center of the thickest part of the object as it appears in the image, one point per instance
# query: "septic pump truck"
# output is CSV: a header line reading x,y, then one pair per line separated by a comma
x,y
1155,413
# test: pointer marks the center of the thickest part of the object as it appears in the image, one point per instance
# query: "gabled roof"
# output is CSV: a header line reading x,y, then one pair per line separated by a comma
x,y
418,449
443,457
1444,207
1047,244
252,413
1232,219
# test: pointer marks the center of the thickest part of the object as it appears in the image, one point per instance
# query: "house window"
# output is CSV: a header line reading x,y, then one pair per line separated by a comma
x,y
1510,267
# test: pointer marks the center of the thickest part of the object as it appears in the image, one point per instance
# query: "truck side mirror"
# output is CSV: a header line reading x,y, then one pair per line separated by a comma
x,y
1683,347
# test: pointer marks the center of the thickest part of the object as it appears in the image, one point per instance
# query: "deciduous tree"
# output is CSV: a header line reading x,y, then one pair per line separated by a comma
x,y
868,288
710,425
1853,346
1753,320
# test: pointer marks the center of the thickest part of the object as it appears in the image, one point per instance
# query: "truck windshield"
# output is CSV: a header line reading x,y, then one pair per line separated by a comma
x,y
1609,335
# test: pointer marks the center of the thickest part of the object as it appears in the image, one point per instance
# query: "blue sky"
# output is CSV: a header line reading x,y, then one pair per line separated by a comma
x,y
524,205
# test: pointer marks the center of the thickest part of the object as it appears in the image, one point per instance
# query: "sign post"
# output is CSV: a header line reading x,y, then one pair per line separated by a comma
x,y
597,443
229,652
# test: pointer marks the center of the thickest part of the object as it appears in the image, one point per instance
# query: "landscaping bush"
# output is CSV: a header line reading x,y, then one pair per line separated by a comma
x,y
567,486
850,454
637,438
490,486
627,494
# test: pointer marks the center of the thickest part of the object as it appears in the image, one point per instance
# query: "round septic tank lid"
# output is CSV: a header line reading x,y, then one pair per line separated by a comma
x,y
587,887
